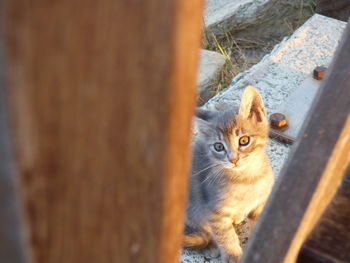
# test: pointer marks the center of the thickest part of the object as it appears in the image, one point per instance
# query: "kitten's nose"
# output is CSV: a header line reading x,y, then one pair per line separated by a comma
x,y
233,159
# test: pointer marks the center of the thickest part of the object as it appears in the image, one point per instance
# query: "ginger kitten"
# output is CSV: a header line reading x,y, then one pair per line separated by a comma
x,y
231,175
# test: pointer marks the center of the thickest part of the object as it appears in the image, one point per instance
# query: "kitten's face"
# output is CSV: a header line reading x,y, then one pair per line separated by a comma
x,y
235,140
235,147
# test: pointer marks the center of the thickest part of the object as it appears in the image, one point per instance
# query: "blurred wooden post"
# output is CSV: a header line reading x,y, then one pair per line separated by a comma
x,y
102,94
313,171
12,248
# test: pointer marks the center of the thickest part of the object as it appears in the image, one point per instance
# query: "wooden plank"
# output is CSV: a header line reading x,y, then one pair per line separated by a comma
x,y
330,240
338,9
102,94
313,170
12,247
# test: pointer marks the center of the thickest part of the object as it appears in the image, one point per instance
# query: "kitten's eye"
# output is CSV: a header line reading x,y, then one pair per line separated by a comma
x,y
244,140
219,147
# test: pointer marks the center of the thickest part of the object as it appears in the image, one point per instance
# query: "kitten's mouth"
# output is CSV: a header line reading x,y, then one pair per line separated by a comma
x,y
232,166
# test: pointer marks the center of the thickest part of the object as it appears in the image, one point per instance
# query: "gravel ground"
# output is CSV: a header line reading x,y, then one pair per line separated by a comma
x,y
276,76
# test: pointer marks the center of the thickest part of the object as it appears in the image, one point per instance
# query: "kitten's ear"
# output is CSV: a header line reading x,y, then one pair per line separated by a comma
x,y
202,126
252,105
205,114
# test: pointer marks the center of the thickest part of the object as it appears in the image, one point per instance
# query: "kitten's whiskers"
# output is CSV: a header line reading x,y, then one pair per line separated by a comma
x,y
206,168
216,174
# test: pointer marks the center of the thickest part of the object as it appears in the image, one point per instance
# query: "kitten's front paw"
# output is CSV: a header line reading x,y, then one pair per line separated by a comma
x,y
230,259
226,258
231,254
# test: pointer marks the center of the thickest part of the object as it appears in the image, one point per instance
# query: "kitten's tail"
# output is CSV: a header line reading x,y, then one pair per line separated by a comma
x,y
195,238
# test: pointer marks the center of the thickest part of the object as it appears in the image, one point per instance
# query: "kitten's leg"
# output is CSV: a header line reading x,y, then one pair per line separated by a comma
x,y
195,240
226,238
254,215
194,237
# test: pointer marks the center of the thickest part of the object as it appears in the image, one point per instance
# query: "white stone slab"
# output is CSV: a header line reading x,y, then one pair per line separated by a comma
x,y
298,104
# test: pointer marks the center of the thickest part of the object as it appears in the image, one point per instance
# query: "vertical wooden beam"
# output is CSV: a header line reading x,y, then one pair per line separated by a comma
x,y
12,248
338,9
102,95
313,170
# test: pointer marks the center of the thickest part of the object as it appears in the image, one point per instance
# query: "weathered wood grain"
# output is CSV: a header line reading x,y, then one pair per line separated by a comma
x,y
313,170
338,9
12,247
102,94
330,240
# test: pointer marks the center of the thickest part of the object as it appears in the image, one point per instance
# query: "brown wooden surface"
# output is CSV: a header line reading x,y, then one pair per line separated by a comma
x,y
313,170
102,94
330,240
338,9
11,234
